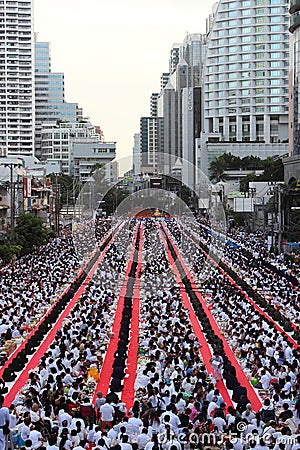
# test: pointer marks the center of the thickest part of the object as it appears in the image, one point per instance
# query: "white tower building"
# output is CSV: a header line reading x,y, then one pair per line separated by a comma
x,y
16,78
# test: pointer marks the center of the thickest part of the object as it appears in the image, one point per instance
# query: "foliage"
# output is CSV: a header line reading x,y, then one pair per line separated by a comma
x,y
67,188
8,251
30,232
273,169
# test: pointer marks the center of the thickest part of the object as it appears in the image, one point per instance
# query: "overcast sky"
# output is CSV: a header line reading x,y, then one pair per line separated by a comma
x,y
113,53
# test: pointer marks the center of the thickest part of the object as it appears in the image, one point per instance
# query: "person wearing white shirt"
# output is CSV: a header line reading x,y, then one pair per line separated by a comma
x,y
143,438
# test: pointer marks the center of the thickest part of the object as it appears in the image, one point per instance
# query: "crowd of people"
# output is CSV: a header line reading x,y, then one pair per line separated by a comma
x,y
272,285
178,403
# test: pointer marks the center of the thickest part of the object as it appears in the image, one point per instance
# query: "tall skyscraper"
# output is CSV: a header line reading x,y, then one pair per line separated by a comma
x,y
16,78
292,164
246,77
50,104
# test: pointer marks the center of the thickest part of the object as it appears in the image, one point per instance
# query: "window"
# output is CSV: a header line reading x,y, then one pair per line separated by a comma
x,y
260,47
275,64
260,100
275,109
232,75
260,20
260,2
274,73
232,58
260,65
232,40
246,3
246,48
246,30
275,19
259,82
260,11
245,101
232,13
232,84
246,21
246,56
246,12
260,38
246,38
245,92
275,99
274,46
259,109
275,28
245,65
275,55
232,31
275,10
275,82
232,67
261,29
246,83
232,23
232,49
259,91
245,110
275,37
275,91
260,55
260,73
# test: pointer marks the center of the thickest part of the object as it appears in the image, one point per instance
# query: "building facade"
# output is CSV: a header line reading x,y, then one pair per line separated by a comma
x,y
292,163
246,76
77,145
16,77
50,104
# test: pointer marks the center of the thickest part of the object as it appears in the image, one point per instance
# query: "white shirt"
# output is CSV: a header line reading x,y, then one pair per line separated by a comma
x,y
106,412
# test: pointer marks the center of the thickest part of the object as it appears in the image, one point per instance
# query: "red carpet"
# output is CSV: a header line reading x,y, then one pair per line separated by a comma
x,y
128,392
258,308
106,371
205,349
23,377
243,380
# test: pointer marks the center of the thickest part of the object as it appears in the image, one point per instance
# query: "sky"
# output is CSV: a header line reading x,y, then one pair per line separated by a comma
x,y
113,53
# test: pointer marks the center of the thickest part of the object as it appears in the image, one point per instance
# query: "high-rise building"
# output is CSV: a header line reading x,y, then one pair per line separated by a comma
x,y
246,78
136,155
50,104
292,163
16,78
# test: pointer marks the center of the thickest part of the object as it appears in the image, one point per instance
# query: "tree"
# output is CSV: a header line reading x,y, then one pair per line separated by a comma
x,y
30,232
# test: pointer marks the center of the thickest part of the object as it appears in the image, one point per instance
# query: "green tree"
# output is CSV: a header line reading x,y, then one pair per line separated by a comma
x,y
30,232
8,251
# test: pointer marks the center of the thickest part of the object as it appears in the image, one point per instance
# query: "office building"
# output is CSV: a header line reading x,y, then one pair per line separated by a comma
x,y
245,82
16,78
50,104
292,163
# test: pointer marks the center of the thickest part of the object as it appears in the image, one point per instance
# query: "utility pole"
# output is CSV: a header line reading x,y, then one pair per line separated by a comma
x,y
11,166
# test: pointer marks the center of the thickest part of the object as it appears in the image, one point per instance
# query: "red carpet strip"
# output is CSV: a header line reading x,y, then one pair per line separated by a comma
x,y
258,308
243,380
106,371
128,392
23,377
205,349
